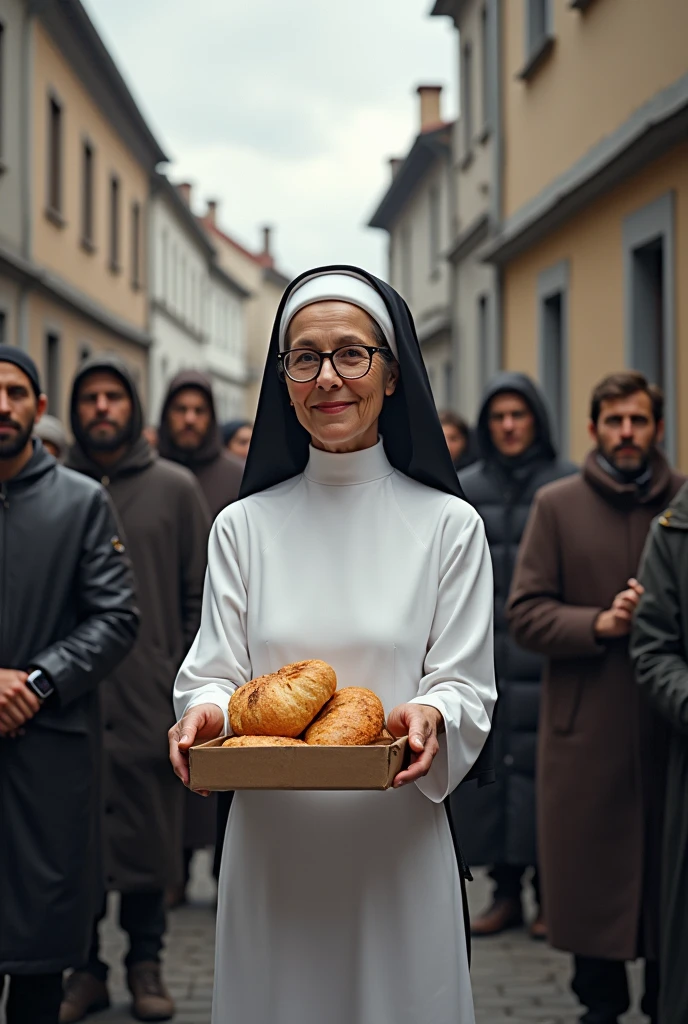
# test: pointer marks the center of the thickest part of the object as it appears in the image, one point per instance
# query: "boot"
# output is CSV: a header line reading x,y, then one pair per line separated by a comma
x,y
151,1000
83,994
504,913
538,928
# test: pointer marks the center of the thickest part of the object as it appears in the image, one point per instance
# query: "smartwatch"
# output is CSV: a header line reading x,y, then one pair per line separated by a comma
x,y
40,684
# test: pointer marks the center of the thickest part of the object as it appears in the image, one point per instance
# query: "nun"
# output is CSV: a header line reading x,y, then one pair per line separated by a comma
x,y
351,544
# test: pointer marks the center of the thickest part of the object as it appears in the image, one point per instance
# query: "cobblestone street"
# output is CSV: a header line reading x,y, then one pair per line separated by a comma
x,y
515,980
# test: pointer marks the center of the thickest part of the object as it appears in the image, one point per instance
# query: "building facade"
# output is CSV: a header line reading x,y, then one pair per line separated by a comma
x,y
417,211
197,312
476,157
594,238
257,274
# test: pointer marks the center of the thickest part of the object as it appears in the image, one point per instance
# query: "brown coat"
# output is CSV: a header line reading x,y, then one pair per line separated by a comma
x,y
601,751
166,523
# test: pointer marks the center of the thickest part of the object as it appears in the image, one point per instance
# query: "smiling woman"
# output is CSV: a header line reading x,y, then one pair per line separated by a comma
x,y
351,545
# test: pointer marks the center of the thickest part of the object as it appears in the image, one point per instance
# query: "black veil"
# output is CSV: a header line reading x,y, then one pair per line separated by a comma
x,y
409,425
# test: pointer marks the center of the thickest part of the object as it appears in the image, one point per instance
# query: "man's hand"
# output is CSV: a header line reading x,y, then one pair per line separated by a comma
x,y
421,723
201,723
617,620
17,702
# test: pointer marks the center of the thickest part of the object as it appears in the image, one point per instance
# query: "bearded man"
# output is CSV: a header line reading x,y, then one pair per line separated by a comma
x,y
602,750
189,435
166,523
67,617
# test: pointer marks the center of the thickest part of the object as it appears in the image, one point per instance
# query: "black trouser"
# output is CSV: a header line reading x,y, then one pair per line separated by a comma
x,y
33,998
142,917
508,880
602,987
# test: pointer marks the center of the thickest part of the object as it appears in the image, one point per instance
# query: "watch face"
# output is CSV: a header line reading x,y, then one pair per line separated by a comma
x,y
40,684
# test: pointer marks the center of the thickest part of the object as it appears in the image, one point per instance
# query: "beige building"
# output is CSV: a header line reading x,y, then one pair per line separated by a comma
x,y
256,274
476,153
416,211
85,157
594,238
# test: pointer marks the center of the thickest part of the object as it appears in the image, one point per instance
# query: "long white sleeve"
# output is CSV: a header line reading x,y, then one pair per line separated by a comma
x,y
218,660
459,675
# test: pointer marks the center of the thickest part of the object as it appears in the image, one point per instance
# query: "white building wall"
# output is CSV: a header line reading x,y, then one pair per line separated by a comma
x,y
226,356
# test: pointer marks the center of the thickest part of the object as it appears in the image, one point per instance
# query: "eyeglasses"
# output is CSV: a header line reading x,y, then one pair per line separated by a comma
x,y
349,362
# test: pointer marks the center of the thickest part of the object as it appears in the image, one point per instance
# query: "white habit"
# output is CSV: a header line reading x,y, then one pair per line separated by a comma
x,y
335,907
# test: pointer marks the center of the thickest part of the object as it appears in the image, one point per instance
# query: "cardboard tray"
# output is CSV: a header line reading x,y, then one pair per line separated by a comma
x,y
215,767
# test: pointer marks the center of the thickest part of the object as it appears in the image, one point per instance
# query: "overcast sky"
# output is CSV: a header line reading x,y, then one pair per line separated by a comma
x,y
284,110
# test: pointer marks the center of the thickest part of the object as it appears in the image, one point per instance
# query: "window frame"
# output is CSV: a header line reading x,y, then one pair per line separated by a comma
x,y
537,50
114,225
434,231
136,244
552,282
54,206
88,219
486,84
52,383
467,102
3,72
655,220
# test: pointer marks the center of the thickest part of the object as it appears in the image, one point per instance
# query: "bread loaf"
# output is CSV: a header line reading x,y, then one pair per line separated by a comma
x,y
262,741
354,717
284,703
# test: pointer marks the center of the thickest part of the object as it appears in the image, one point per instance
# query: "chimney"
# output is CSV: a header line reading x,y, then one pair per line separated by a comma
x,y
211,212
430,106
184,190
266,254
395,163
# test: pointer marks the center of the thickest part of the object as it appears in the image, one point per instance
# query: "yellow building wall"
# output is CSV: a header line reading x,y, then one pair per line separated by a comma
x,y
606,63
592,243
59,248
75,333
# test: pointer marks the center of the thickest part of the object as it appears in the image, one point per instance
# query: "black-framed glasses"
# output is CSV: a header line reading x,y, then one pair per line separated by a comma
x,y
350,362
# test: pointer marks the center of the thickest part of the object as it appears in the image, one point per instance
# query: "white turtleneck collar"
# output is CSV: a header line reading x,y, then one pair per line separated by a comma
x,y
342,470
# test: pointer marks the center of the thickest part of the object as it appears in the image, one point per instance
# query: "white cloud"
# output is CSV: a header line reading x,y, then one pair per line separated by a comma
x,y
284,111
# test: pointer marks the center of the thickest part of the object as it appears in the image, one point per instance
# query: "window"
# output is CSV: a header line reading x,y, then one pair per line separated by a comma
x,y
406,263
448,383
3,327
553,344
84,352
2,91
485,67
648,241
538,35
484,361
87,164
467,98
52,371
165,283
54,158
114,223
136,245
434,226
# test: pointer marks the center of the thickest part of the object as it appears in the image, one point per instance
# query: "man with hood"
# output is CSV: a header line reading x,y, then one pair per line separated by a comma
x,y
518,457
189,435
166,522
68,616
602,749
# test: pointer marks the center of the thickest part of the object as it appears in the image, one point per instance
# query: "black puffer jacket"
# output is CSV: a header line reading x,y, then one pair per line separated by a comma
x,y
497,824
67,606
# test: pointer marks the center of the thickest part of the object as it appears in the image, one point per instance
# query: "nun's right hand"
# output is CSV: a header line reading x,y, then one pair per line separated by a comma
x,y
200,723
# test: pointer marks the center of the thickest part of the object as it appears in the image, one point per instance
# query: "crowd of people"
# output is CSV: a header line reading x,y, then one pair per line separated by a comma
x,y
103,555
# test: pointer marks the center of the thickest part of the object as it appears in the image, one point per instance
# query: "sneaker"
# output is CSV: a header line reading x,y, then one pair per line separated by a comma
x,y
151,1000
83,994
502,915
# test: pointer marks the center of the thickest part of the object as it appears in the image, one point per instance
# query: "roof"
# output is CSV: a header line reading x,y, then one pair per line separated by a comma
x,y
217,271
78,40
264,260
160,183
429,146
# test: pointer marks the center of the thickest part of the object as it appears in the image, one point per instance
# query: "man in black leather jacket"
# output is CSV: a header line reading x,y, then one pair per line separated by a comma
x,y
67,616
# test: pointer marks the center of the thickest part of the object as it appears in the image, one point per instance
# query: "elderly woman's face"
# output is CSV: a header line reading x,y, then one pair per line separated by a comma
x,y
340,415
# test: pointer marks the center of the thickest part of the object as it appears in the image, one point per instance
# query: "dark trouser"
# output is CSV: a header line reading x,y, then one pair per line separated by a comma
x,y
142,917
602,987
508,880
33,998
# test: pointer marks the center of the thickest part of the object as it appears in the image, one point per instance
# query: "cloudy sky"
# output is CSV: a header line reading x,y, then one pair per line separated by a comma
x,y
284,110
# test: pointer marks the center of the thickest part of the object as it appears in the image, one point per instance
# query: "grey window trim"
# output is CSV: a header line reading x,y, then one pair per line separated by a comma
x,y
114,218
554,281
3,91
55,211
88,241
486,76
537,49
5,320
467,100
654,221
53,389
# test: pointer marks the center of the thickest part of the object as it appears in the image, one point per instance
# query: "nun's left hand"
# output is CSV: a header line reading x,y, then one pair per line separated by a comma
x,y
421,723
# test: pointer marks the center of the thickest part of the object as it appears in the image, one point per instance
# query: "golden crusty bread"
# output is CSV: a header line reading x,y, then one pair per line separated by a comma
x,y
354,717
262,741
284,703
